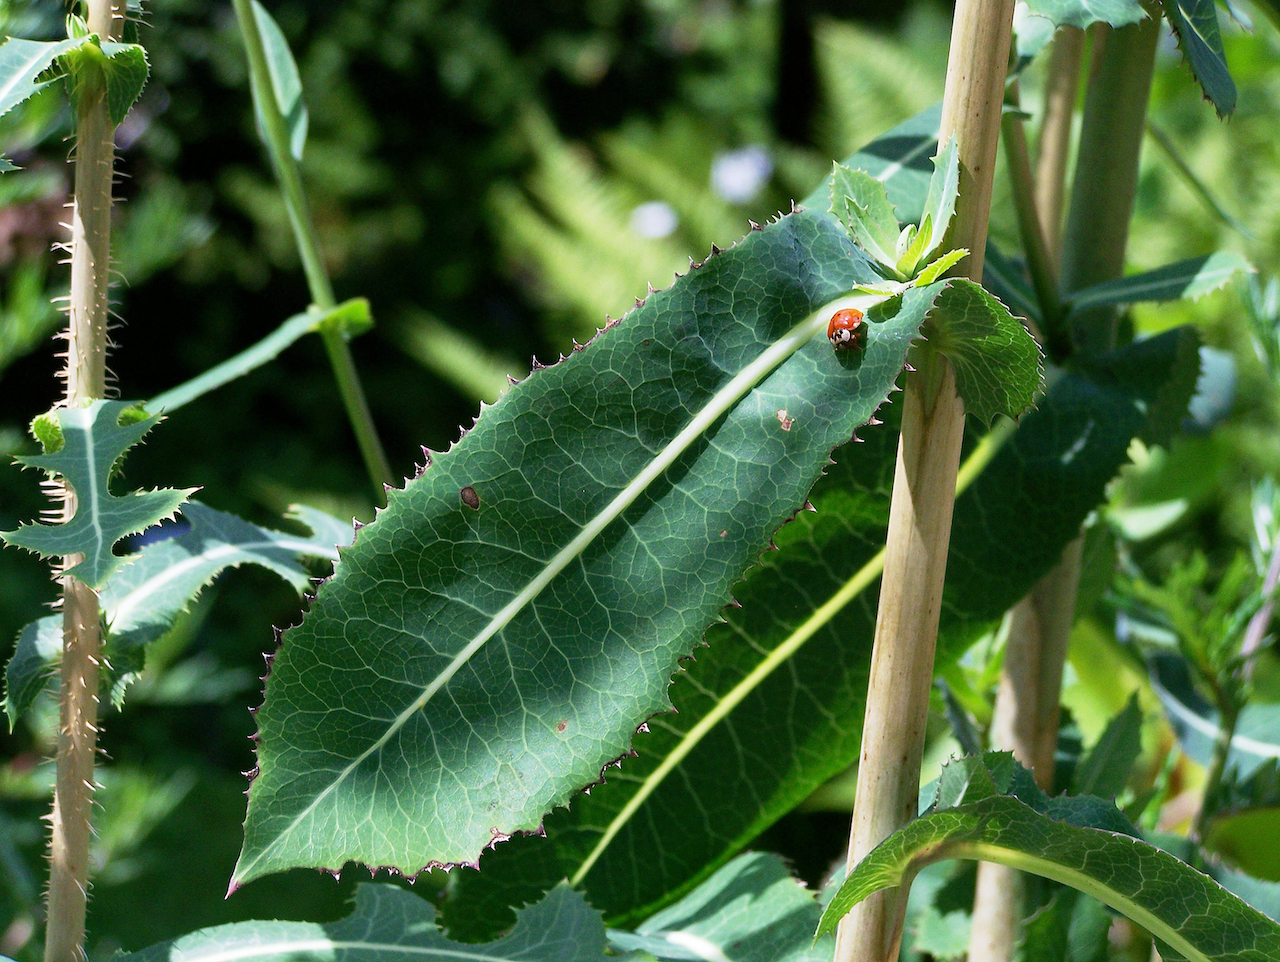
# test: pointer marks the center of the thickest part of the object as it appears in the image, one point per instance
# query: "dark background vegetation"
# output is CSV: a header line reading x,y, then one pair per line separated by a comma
x,y
439,132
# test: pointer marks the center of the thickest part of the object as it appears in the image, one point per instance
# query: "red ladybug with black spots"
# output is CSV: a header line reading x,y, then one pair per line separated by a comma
x,y
847,330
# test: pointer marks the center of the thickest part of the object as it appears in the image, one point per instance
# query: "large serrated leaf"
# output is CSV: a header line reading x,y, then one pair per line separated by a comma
x,y
22,64
1183,908
1187,279
1195,24
751,910
93,441
390,924
493,639
1036,21
999,367
144,599
773,708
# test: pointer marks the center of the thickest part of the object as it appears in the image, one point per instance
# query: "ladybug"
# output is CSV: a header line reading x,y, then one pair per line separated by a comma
x,y
847,330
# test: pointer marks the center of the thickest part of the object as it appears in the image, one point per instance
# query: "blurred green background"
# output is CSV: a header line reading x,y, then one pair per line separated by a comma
x,y
496,178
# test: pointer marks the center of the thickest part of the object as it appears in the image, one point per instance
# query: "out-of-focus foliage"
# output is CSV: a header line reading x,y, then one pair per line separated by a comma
x,y
514,172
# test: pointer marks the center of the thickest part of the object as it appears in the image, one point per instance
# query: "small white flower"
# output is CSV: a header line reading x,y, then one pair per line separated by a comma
x,y
739,175
654,219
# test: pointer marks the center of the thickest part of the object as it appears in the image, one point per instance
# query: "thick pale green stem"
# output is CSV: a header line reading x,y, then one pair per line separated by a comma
x,y
1106,177
923,496
70,830
1061,87
1044,273
304,233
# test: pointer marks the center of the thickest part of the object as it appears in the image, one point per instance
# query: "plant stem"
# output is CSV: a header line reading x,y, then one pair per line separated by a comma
x,y
923,498
1061,87
1027,703
1106,177
1260,623
70,828
1228,716
289,176
1044,274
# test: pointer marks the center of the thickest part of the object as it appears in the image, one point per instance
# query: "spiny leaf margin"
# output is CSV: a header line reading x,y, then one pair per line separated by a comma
x,y
94,441
722,320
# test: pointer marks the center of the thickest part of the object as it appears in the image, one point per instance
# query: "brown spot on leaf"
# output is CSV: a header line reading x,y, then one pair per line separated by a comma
x,y
785,421
469,497
561,726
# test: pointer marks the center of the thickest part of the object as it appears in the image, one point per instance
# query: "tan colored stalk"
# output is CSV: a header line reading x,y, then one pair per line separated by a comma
x,y
81,626
1061,87
1027,703
923,496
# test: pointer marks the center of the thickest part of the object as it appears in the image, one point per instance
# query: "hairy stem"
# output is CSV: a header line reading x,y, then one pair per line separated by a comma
x,y
85,374
289,177
923,497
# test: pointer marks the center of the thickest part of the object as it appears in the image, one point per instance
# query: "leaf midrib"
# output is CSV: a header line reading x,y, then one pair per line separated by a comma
x,y
137,596
25,74
718,404
861,579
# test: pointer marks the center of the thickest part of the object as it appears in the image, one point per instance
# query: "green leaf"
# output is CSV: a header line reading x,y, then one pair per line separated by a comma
x,y
285,82
126,70
94,441
1195,24
120,67
751,910
1033,498
1104,771
1173,152
1249,840
900,160
27,67
943,264
590,525
1068,928
1261,894
390,924
1256,741
940,201
1008,281
142,601
777,699
1177,904
1185,280
39,645
998,365
1036,21
860,203
943,936
350,318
